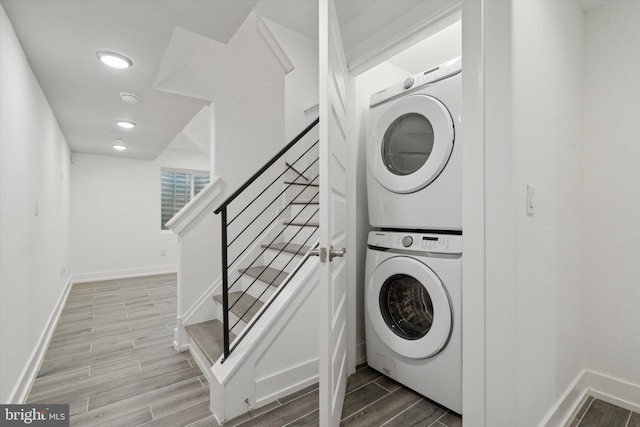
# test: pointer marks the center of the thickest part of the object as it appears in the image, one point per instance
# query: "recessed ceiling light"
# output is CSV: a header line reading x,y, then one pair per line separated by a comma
x,y
125,124
114,60
129,98
119,145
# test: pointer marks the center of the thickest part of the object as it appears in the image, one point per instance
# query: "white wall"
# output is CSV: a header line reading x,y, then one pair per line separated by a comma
x,y
34,171
437,49
249,107
547,71
533,278
301,84
115,213
612,195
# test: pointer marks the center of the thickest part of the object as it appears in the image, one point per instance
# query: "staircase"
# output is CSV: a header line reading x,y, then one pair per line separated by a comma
x,y
255,285
268,228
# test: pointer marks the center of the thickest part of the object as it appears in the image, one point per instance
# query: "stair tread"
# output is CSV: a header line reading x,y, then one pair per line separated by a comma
x,y
291,248
310,184
269,275
209,337
241,309
303,223
306,202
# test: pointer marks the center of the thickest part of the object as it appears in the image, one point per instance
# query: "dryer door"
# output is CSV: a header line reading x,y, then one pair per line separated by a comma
x,y
411,143
409,307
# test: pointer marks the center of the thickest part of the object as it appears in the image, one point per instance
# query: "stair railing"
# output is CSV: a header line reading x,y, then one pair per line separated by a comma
x,y
265,221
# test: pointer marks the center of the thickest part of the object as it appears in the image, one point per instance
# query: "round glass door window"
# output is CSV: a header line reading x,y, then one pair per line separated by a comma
x,y
406,307
407,144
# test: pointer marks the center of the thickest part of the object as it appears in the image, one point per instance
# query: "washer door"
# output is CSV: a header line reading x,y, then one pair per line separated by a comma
x,y
411,144
409,307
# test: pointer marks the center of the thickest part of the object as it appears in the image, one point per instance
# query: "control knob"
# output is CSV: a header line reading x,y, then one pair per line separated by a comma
x,y
408,83
407,241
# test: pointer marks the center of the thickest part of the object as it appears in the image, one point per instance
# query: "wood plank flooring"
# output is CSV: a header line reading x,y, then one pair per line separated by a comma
x,y
598,413
111,358
372,400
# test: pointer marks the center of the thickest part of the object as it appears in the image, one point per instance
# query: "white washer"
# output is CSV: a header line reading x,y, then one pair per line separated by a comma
x,y
413,306
414,158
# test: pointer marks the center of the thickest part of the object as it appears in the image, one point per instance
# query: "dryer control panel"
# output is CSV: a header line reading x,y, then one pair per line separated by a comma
x,y
420,242
434,75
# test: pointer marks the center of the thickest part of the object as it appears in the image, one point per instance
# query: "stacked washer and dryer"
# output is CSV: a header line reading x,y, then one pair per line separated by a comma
x,y
413,288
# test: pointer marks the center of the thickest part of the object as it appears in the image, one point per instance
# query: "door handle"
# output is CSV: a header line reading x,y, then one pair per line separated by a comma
x,y
333,254
322,253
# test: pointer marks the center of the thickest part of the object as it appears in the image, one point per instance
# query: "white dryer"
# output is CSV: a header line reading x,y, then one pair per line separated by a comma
x,y
414,158
413,305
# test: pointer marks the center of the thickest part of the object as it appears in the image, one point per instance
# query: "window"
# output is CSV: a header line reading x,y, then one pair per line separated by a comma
x,y
407,144
177,189
406,307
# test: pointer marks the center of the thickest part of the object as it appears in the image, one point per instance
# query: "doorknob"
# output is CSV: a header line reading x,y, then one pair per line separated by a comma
x,y
322,253
333,254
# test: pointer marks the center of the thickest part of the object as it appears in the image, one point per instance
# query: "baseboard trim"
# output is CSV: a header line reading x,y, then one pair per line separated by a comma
x,y
206,296
361,353
566,407
23,387
589,383
277,384
123,274
614,390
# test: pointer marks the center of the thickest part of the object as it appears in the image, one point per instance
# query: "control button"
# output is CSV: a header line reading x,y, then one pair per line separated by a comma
x,y
407,241
408,83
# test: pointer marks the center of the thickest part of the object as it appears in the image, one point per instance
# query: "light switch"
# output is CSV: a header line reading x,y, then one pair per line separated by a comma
x,y
531,200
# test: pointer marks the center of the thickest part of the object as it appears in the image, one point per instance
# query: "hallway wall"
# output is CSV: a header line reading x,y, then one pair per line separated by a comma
x,y
34,213
115,213
533,273
612,195
547,60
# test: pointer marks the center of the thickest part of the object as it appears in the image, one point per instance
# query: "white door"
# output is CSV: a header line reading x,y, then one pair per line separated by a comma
x,y
333,215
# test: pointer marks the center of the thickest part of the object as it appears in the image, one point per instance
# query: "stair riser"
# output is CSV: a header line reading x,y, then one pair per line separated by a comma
x,y
290,176
304,212
257,288
279,262
304,159
200,358
298,192
232,320
302,236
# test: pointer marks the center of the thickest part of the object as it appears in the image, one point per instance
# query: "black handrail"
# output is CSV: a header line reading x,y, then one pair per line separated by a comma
x,y
266,217
264,168
268,206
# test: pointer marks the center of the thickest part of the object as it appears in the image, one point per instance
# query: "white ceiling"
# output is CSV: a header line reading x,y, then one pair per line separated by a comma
x,y
61,37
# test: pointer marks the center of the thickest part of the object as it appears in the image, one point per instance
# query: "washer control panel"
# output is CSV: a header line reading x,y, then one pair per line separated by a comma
x,y
420,242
